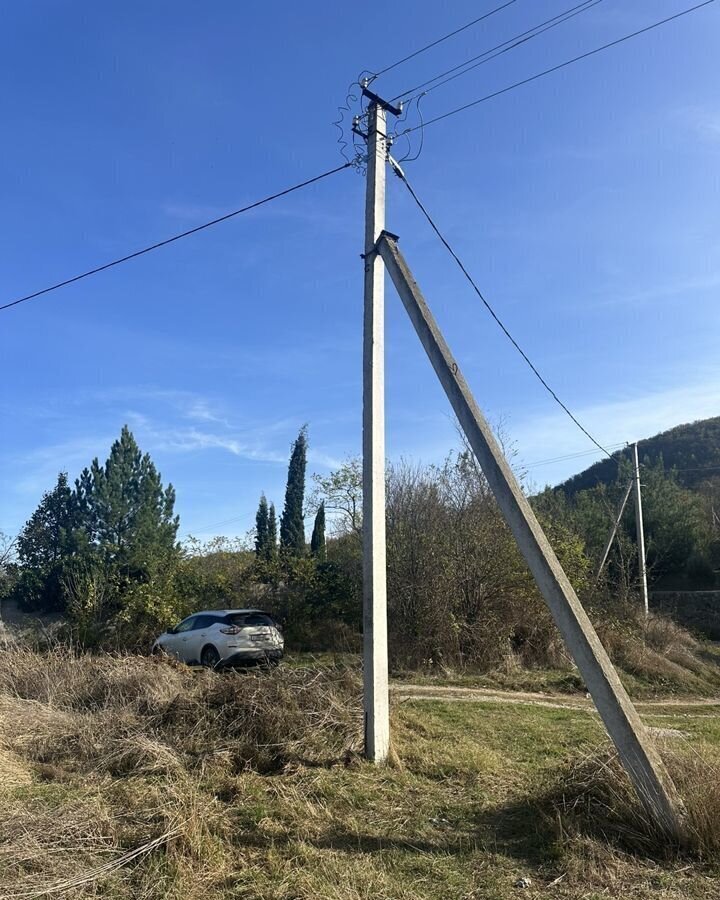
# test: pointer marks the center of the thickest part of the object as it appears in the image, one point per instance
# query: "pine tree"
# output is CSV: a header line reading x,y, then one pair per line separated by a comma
x,y
272,533
46,544
46,534
127,513
292,525
317,542
262,529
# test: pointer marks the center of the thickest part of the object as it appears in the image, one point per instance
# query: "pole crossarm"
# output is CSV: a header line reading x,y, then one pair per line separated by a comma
x,y
634,744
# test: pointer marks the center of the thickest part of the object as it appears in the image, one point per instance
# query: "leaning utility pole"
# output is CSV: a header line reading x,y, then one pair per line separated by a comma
x,y
632,739
640,530
375,650
613,531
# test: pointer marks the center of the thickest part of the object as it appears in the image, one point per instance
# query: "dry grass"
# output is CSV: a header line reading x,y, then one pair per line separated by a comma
x,y
122,751
140,778
593,802
659,656
134,715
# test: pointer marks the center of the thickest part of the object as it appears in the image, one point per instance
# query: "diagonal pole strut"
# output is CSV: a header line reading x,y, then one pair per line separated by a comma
x,y
635,747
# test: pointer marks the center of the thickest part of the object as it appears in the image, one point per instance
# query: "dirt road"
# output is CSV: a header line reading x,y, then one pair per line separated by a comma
x,y
698,707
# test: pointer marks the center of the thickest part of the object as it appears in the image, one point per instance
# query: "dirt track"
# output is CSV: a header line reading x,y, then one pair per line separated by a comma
x,y
581,702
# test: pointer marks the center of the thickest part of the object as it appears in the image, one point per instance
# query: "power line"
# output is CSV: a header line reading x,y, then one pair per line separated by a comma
x,y
440,40
498,50
206,529
176,237
568,62
492,312
569,456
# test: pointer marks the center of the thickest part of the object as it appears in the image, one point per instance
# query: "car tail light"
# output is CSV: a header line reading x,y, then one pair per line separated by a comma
x,y
231,629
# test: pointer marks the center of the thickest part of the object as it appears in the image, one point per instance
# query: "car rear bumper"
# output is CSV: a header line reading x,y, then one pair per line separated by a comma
x,y
246,656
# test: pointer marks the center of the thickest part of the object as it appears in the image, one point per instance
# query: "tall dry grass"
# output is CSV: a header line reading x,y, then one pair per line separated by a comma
x,y
129,714
128,756
592,800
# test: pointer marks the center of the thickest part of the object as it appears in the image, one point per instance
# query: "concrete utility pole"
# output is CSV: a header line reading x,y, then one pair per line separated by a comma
x,y
375,653
635,747
640,530
613,532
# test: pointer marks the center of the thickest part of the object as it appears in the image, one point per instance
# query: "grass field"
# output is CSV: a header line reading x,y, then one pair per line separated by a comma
x,y
138,778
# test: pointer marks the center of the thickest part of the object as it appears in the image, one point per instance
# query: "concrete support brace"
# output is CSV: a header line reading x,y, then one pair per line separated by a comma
x,y
613,532
635,747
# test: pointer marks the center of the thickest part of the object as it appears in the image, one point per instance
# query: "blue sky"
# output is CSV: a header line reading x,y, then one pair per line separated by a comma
x,y
585,204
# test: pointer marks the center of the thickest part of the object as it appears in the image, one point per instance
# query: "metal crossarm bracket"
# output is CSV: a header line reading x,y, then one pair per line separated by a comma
x,y
373,98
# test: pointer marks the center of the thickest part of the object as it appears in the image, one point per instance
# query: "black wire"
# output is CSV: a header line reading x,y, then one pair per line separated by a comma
x,y
441,39
562,65
568,456
499,49
176,237
492,312
409,158
339,123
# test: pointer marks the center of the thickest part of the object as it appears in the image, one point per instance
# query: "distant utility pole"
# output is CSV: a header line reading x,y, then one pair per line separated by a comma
x,y
640,531
375,647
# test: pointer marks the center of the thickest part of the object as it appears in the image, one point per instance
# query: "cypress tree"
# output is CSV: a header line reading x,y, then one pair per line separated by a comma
x,y
272,533
261,528
317,542
292,524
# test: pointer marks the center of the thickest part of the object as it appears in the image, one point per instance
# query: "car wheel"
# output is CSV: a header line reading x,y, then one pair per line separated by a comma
x,y
209,657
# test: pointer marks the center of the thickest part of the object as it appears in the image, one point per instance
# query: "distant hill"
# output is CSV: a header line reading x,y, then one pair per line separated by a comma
x,y
693,449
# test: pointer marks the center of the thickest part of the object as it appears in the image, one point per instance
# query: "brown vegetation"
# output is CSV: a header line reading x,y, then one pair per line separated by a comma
x,y
131,777
592,800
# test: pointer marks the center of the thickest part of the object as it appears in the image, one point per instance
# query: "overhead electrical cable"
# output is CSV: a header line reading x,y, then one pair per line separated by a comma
x,y
492,312
206,529
562,65
569,456
176,237
440,40
493,52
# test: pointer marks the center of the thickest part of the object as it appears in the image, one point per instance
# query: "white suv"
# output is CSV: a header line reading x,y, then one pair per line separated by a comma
x,y
224,637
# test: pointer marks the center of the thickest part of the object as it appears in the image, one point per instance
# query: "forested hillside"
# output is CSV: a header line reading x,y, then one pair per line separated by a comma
x,y
680,476
692,449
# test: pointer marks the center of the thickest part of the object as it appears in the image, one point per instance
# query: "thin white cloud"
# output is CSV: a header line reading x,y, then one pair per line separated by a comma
x,y
618,421
703,121
662,291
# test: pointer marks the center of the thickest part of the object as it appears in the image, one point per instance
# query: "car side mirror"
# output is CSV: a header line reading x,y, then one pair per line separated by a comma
x,y
172,630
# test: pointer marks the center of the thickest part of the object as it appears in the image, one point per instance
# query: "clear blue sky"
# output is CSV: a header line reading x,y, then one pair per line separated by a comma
x,y
587,205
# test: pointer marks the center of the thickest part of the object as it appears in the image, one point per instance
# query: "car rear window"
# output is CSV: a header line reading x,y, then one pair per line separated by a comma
x,y
243,619
206,621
